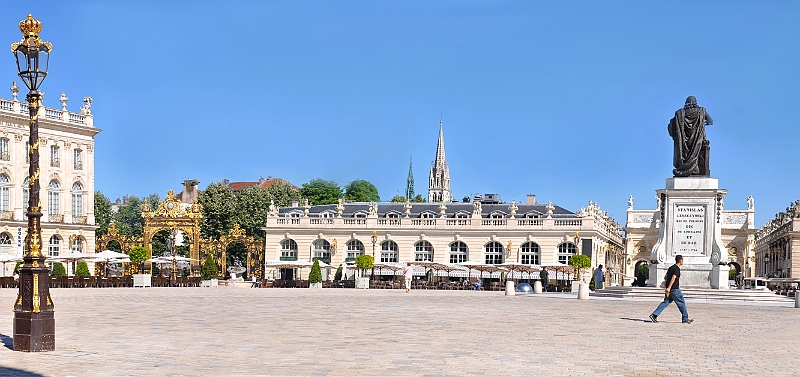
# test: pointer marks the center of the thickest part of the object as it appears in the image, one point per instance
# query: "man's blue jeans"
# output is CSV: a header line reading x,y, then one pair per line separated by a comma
x,y
675,296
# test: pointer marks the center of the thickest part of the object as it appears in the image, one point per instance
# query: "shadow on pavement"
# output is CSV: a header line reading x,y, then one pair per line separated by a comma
x,y
627,319
17,373
7,341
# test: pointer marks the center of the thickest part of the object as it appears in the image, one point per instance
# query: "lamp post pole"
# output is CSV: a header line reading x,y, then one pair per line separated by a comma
x,y
374,260
34,322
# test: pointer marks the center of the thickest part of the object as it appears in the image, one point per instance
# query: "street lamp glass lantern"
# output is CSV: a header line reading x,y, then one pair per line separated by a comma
x,y
32,54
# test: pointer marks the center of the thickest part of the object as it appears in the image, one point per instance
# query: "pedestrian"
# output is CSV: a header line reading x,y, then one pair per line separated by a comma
x,y
478,284
672,292
543,277
408,273
233,279
599,278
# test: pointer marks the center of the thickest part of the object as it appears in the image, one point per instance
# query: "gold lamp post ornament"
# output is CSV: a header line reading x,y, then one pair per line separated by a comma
x,y
34,322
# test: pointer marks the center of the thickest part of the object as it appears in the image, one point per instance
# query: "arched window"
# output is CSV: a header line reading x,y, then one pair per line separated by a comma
x,y
52,198
566,250
77,245
423,251
496,215
427,215
77,200
389,251
530,253
458,252
360,215
54,246
4,154
393,215
25,194
322,250
327,215
288,249
494,253
54,157
5,187
354,249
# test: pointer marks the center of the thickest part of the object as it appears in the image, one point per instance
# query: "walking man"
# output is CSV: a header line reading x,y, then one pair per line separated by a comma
x,y
408,273
672,292
599,278
543,278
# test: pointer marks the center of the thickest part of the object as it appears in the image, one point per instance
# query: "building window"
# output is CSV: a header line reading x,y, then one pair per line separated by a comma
x,y
288,248
360,215
458,252
496,216
322,250
77,200
5,187
462,215
54,158
52,198
327,215
354,249
77,245
389,251
566,250
393,215
427,215
54,247
4,154
494,253
294,214
25,192
78,159
530,253
423,251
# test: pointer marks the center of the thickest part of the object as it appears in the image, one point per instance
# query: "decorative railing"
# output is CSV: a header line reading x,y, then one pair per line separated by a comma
x,y
495,222
78,166
6,215
52,114
459,222
323,259
320,221
6,105
570,222
5,156
389,222
289,258
23,108
530,222
79,219
77,118
55,218
55,163
355,221
423,222
49,113
289,221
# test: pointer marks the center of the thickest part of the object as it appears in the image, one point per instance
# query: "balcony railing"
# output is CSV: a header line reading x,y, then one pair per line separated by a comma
x,y
289,258
5,156
55,218
6,105
47,112
79,219
6,215
55,163
79,166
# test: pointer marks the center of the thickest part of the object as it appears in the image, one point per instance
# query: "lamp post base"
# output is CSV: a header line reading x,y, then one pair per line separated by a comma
x,y
34,332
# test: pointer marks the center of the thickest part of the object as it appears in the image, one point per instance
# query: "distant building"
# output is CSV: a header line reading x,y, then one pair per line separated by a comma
x,y
777,248
439,178
66,147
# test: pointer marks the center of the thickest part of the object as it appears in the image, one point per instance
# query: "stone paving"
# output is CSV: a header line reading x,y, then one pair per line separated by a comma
x,y
250,332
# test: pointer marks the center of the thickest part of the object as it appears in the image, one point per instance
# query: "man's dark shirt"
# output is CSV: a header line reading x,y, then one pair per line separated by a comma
x,y
674,270
543,275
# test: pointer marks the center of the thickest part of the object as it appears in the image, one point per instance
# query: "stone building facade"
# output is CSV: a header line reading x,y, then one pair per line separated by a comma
x,y
777,248
67,176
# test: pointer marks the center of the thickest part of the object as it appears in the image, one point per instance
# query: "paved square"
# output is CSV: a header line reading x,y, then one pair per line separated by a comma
x,y
224,332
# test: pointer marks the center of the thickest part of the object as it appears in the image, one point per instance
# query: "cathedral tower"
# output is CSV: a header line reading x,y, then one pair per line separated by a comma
x,y
439,181
410,182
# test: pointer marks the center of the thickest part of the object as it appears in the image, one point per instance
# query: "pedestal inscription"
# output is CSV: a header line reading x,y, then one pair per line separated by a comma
x,y
689,229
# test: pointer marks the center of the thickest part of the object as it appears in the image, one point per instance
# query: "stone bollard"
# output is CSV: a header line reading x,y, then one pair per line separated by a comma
x,y
537,286
797,298
510,288
583,291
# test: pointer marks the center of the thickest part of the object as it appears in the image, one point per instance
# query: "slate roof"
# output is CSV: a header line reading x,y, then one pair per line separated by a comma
x,y
417,209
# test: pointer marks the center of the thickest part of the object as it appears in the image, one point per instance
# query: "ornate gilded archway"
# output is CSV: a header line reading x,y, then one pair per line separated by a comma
x,y
171,215
218,251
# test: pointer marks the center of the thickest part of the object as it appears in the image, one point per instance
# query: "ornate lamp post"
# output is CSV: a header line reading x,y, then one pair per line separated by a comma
x,y
374,260
34,323
577,240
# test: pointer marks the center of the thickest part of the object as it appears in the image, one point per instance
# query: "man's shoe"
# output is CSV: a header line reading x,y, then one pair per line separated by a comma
x,y
688,321
653,318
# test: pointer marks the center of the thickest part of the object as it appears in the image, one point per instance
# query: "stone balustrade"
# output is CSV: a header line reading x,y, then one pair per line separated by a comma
x,y
20,108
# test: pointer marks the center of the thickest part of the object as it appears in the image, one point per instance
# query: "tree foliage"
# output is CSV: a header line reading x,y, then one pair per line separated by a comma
x,y
102,213
580,262
219,209
361,191
209,270
252,209
58,270
338,275
282,193
319,191
402,199
138,255
82,270
129,218
364,262
315,276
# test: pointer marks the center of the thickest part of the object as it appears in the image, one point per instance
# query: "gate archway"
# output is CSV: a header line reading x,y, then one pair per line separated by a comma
x,y
218,250
171,215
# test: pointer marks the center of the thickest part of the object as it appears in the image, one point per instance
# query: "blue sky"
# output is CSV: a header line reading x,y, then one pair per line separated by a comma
x,y
567,100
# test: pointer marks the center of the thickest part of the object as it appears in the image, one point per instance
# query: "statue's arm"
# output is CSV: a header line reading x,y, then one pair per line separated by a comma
x,y
709,121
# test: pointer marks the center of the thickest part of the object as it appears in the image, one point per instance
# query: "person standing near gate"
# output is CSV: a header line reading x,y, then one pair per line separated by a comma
x,y
408,273
599,278
672,292
543,276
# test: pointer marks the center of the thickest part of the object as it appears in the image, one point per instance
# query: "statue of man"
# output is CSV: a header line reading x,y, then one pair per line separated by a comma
x,y
688,132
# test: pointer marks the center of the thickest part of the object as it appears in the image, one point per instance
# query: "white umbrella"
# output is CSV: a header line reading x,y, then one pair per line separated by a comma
x,y
106,256
6,258
72,257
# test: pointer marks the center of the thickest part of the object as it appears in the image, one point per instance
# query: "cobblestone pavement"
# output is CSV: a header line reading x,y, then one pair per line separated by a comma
x,y
246,332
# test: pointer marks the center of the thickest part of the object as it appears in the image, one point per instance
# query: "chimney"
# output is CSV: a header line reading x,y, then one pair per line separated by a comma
x,y
225,181
531,199
261,181
295,203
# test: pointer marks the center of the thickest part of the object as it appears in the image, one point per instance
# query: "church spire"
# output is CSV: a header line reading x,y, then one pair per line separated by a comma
x,y
439,179
410,181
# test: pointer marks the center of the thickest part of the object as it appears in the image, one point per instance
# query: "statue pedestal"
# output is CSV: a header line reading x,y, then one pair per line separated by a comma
x,y
690,209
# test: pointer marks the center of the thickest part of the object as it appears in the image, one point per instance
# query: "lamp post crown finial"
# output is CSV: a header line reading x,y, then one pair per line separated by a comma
x,y
30,26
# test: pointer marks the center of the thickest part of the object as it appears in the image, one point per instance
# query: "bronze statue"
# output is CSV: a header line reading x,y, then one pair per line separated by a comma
x,y
688,132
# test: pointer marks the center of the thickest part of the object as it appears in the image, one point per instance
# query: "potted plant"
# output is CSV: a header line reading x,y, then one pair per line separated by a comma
x,y
363,262
58,270
579,263
138,255
209,272
315,277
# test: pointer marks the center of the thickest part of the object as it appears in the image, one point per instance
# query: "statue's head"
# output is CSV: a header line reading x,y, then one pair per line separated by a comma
x,y
691,102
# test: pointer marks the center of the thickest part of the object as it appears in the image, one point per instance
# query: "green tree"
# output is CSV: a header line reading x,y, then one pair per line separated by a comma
x,y
315,276
252,209
82,270
319,191
219,210
338,275
138,255
364,262
209,270
398,199
418,199
58,270
153,200
579,262
361,191
102,213
283,193
129,218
